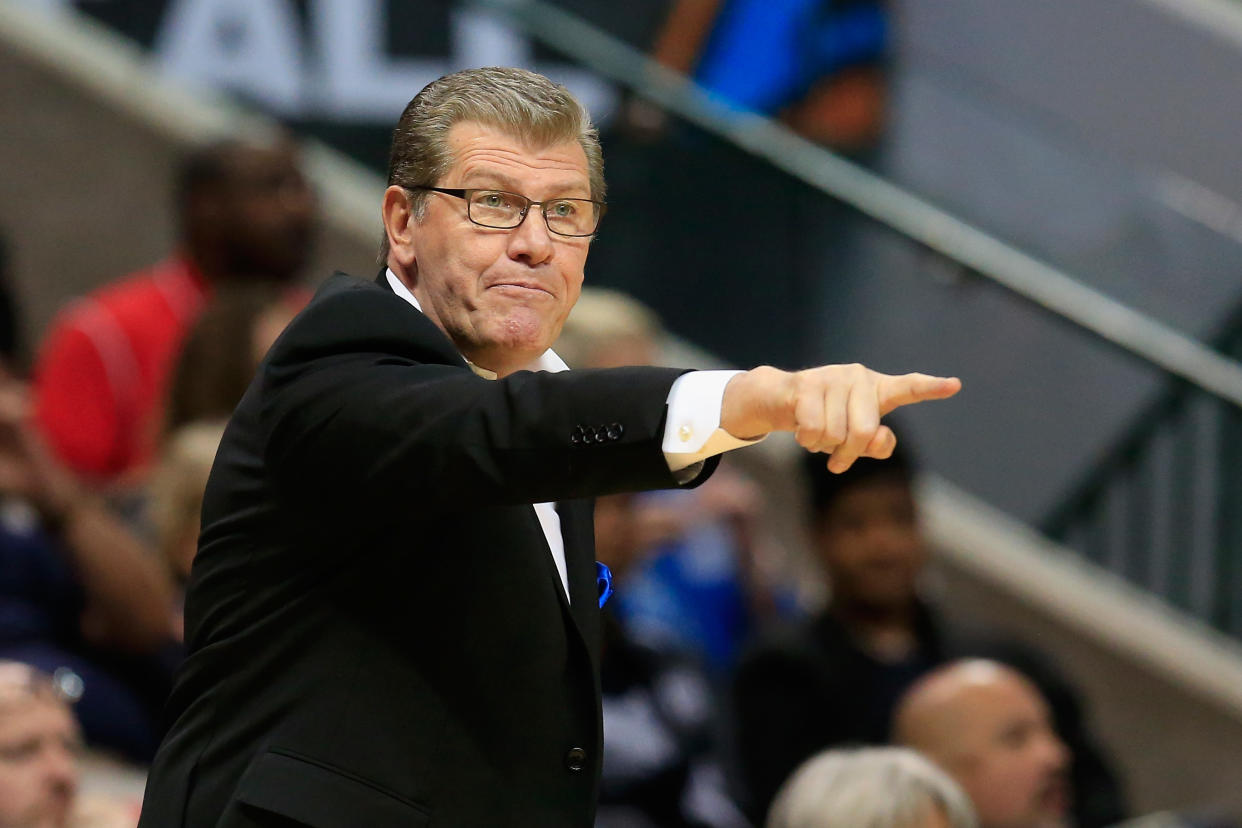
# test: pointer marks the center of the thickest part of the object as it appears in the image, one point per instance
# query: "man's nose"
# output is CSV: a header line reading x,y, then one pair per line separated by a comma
x,y
1055,751
60,767
531,241
298,199
884,538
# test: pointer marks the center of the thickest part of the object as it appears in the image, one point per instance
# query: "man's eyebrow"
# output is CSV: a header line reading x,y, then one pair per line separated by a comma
x,y
498,179
492,177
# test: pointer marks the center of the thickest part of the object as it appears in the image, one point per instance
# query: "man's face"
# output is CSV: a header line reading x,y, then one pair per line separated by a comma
x,y
500,295
39,743
266,212
1008,759
870,543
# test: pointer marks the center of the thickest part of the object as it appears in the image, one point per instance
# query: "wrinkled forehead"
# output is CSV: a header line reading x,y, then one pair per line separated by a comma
x,y
256,167
483,152
22,685
16,674
879,497
22,713
1001,712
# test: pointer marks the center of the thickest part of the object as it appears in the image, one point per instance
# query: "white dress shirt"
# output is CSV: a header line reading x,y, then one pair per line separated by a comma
x,y
692,431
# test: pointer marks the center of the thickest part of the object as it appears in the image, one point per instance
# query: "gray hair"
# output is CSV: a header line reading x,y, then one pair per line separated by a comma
x,y
517,102
869,788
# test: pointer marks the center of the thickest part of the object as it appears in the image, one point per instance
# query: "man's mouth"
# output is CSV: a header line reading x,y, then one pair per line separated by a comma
x,y
525,287
1054,796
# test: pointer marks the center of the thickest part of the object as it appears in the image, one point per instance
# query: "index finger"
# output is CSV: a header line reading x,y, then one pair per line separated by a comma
x,y
907,389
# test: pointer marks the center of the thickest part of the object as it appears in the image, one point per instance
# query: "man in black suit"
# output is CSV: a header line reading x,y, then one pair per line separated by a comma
x,y
393,615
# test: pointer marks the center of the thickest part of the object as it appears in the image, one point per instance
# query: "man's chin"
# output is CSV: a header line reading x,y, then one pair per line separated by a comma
x,y
530,334
506,356
1054,804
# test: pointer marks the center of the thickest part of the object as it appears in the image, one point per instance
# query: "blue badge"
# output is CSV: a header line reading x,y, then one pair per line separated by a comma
x,y
603,580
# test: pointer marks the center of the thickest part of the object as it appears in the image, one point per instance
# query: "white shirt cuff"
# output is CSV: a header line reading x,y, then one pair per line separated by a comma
x,y
692,432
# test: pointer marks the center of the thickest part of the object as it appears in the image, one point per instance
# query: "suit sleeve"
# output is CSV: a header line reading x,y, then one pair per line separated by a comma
x,y
379,416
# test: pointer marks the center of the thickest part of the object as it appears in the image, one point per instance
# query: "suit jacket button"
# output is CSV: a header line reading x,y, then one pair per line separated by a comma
x,y
575,759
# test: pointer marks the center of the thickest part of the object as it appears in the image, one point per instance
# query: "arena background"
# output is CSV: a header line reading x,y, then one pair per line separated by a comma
x,y
1098,137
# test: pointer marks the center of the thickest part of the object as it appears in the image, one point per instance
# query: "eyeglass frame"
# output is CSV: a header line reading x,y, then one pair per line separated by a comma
x,y
464,194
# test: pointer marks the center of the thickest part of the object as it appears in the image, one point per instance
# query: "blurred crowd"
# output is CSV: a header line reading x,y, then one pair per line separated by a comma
x,y
729,699
729,702
746,680
105,446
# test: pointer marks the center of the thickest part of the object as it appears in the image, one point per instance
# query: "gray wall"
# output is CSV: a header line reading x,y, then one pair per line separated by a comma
x,y
1084,132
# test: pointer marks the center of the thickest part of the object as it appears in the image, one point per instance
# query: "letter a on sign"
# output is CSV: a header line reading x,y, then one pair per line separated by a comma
x,y
249,46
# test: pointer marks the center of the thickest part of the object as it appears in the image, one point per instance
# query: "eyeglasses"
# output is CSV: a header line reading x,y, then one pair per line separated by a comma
x,y
501,210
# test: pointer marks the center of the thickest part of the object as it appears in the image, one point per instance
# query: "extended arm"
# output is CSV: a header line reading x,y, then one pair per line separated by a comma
x,y
363,395
835,409
437,434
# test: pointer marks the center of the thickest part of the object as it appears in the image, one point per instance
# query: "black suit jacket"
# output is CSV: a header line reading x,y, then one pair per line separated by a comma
x,y
377,634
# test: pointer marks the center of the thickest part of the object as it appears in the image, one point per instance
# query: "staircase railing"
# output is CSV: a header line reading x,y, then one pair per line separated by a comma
x,y
1164,506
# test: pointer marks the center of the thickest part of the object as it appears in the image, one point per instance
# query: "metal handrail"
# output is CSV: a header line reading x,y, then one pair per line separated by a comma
x,y
1143,424
1030,278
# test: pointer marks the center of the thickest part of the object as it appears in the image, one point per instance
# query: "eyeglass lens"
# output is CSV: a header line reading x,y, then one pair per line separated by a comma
x,y
566,216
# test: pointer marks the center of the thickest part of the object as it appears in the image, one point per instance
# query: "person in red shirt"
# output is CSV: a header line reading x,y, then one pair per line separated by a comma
x,y
247,213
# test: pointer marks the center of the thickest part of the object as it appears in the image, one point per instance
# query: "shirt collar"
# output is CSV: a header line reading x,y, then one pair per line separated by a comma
x,y
547,361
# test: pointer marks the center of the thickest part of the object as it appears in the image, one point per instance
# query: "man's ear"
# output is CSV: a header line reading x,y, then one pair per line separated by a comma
x,y
399,223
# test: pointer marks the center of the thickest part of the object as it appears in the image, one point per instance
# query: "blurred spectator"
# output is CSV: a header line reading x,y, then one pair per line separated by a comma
x,y
659,768
991,730
695,589
39,748
78,590
217,363
176,498
246,213
836,679
222,351
870,788
817,64
608,329
693,586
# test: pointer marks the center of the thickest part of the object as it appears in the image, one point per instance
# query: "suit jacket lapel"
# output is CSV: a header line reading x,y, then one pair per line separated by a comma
x,y
582,614
577,528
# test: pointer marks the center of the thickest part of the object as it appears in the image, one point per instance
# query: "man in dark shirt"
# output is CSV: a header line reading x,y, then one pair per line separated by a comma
x,y
837,678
